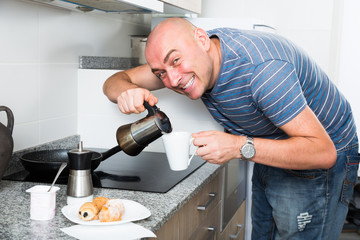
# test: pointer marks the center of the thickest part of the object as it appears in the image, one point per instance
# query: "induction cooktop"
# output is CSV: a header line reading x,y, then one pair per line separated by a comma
x,y
148,172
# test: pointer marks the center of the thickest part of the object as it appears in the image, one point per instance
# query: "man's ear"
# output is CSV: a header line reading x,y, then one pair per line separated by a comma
x,y
202,38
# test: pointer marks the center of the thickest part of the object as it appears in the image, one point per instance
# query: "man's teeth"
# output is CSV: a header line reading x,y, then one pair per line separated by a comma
x,y
189,83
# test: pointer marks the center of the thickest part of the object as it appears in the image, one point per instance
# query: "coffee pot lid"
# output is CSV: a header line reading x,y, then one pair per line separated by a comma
x,y
162,121
79,159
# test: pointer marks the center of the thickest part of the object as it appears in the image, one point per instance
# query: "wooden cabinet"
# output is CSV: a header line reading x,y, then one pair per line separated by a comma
x,y
170,230
200,207
198,218
208,229
236,227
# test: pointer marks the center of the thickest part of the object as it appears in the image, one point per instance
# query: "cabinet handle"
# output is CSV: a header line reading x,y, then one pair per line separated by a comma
x,y
212,231
236,236
203,207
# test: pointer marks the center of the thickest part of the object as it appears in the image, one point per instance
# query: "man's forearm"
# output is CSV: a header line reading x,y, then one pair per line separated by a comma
x,y
116,84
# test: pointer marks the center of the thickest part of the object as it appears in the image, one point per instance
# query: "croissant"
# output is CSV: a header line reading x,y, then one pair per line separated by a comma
x,y
88,211
113,210
100,201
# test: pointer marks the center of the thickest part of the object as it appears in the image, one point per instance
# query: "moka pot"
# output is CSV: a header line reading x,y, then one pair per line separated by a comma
x,y
134,137
79,180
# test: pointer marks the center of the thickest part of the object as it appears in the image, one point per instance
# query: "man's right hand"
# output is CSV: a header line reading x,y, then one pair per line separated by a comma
x,y
130,88
132,100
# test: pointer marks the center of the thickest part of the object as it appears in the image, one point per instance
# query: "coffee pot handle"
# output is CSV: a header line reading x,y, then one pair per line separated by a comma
x,y
10,118
151,109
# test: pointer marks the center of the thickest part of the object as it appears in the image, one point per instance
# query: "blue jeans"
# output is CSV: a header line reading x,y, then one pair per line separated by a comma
x,y
303,204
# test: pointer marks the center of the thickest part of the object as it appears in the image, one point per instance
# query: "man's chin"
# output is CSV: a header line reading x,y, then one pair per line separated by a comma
x,y
192,95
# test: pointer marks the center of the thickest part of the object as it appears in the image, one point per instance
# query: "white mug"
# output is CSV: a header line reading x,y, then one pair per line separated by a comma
x,y
177,146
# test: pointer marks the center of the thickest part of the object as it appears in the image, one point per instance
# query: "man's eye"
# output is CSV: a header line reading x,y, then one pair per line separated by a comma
x,y
161,75
176,60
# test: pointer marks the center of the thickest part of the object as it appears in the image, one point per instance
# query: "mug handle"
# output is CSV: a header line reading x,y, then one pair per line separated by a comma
x,y
191,142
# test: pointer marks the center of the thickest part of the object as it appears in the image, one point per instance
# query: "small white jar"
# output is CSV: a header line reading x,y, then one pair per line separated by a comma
x,y
42,202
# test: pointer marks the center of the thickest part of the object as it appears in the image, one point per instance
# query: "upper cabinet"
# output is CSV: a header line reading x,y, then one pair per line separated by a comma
x,y
193,6
128,6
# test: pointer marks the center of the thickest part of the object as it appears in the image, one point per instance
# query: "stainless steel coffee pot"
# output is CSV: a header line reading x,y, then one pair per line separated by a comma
x,y
80,181
134,137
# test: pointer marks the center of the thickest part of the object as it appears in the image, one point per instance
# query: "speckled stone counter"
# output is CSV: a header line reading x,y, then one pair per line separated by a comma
x,y
116,63
15,222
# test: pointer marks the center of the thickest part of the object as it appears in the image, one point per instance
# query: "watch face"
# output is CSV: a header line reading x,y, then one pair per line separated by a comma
x,y
248,151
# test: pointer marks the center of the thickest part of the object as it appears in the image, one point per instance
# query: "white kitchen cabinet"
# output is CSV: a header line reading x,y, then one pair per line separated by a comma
x,y
189,5
127,6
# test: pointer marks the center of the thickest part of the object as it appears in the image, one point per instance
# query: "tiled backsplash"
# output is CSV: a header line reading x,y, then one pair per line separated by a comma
x,y
40,48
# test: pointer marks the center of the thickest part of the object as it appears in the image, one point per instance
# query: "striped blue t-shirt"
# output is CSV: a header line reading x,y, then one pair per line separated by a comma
x,y
265,81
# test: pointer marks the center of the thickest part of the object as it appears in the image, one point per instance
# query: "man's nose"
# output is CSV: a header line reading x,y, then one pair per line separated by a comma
x,y
174,77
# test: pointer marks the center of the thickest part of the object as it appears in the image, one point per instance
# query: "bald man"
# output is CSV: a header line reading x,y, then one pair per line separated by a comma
x,y
280,111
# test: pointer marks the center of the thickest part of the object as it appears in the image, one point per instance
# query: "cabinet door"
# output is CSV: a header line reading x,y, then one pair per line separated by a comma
x,y
236,227
170,230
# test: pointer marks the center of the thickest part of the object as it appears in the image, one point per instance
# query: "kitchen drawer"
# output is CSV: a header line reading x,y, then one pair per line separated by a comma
x,y
197,210
188,221
209,229
236,227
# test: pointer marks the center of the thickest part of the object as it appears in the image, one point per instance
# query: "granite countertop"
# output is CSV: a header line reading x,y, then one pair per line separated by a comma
x,y
15,220
115,63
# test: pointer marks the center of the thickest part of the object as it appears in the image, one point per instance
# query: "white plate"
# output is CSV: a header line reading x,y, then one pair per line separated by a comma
x,y
133,212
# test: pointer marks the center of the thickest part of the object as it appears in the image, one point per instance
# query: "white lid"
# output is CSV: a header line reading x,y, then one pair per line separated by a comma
x,y
42,189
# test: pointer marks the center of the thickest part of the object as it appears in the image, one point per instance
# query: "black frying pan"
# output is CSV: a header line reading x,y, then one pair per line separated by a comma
x,y
49,161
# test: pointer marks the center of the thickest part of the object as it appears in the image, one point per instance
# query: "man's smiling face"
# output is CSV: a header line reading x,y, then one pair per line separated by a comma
x,y
177,56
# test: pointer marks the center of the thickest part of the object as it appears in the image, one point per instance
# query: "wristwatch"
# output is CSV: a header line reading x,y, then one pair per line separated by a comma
x,y
248,149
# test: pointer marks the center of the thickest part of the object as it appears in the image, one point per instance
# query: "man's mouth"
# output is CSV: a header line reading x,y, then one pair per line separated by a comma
x,y
189,83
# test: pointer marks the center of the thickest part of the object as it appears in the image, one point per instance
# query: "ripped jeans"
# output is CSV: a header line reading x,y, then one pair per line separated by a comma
x,y
303,204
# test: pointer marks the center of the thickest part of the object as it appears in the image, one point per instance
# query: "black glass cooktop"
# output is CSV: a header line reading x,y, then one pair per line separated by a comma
x,y
148,172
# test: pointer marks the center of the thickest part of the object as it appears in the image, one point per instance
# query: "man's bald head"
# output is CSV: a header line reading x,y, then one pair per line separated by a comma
x,y
173,27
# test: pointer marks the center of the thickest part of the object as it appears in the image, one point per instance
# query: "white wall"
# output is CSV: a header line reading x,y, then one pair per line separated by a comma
x,y
39,57
349,52
306,22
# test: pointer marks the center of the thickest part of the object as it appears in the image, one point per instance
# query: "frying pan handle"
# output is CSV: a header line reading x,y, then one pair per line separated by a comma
x,y
110,152
104,175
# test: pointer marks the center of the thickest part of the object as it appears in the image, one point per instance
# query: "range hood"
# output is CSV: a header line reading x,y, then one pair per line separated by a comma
x,y
126,6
